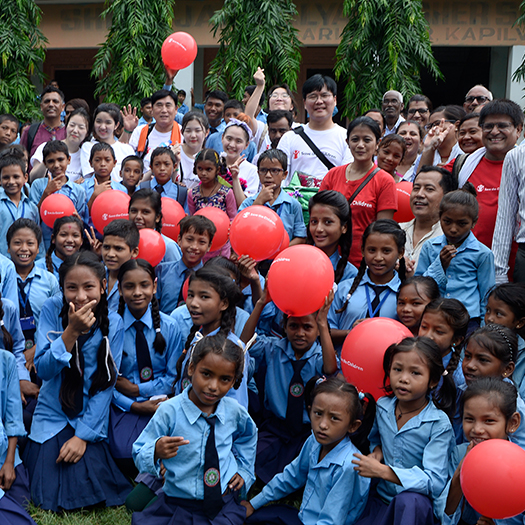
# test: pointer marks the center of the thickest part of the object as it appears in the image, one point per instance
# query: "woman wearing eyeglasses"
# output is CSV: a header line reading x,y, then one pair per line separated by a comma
x,y
440,145
419,108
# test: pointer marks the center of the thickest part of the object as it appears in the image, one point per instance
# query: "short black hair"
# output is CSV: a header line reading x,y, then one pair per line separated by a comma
x,y
163,93
24,223
55,146
448,182
276,154
251,89
181,92
318,82
163,150
52,89
278,114
12,160
502,106
101,146
200,225
233,103
10,118
218,94
145,101
126,230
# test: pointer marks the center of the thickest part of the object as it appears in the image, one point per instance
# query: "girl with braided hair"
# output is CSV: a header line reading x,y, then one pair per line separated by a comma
x,y
147,372
78,352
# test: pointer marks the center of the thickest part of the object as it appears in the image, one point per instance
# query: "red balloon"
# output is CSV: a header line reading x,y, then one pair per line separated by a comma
x,y
257,231
108,206
492,478
285,244
222,223
172,213
290,282
55,206
152,247
404,211
364,349
185,287
179,50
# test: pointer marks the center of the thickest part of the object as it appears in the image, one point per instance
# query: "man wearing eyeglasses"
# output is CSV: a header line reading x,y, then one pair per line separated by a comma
x,y
501,122
478,97
392,107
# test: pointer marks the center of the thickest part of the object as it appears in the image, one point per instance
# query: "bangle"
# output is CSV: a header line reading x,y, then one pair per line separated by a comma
x,y
126,131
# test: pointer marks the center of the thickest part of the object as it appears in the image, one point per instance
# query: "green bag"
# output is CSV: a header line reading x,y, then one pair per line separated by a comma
x,y
302,194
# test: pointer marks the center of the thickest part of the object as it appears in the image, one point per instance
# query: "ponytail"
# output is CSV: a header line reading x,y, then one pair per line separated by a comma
x,y
357,279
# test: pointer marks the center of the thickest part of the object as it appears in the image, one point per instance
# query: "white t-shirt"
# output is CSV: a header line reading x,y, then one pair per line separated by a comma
x,y
121,152
301,158
155,140
188,178
74,170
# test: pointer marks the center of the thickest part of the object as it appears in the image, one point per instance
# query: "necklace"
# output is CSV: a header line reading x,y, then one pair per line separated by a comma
x,y
401,414
349,174
212,190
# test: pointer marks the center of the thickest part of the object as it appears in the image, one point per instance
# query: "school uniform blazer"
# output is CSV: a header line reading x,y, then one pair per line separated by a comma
x,y
43,285
11,421
12,325
418,453
51,357
10,212
357,307
334,493
278,355
288,209
179,416
8,280
469,276
163,364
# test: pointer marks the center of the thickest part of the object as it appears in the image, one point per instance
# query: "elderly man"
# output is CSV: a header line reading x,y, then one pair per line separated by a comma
x,y
392,107
478,97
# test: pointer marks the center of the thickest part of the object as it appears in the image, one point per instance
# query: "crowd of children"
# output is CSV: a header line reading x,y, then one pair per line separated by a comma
x,y
183,392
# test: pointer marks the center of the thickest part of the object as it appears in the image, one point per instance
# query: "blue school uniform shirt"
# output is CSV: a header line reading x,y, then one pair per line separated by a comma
x,y
10,212
11,420
418,453
184,476
113,295
334,493
75,192
357,307
39,286
173,251
170,189
350,270
163,364
288,209
519,371
8,280
51,357
469,277
56,262
247,293
278,355
182,317
12,325
170,280
215,142
464,511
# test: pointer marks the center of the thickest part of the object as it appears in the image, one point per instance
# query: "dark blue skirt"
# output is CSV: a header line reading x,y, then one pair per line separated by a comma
x,y
11,513
407,508
19,491
275,515
67,486
124,429
176,511
277,447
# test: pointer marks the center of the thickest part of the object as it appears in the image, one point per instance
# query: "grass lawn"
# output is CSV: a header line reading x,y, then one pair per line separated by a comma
x,y
112,516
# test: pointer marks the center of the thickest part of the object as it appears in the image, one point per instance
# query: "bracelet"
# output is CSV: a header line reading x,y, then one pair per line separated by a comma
x,y
126,131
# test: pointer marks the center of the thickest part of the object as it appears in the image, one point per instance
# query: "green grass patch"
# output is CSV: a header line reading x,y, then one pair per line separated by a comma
x,y
107,516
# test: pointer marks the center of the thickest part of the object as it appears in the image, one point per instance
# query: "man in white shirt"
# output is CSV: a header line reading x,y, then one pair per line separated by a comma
x,y
164,110
392,107
320,98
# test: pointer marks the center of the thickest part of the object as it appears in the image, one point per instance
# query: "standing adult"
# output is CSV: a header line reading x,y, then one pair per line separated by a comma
x,y
52,127
318,146
419,108
163,132
392,107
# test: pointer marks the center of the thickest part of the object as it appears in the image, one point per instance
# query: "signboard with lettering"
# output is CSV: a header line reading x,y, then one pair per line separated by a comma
x,y
452,23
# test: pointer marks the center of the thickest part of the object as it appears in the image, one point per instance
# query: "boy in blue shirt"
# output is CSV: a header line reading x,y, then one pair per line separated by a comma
x,y
195,237
56,159
120,244
14,204
272,168
163,163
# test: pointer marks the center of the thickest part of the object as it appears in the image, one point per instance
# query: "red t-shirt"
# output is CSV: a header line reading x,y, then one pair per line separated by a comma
x,y
486,179
378,195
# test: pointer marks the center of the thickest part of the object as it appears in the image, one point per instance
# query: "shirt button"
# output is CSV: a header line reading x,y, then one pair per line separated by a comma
x,y
448,295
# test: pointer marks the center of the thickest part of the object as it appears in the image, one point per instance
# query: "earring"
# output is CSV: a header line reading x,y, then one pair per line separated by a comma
x,y
505,374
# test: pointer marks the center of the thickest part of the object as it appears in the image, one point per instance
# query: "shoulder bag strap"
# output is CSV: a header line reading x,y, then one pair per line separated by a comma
x,y
319,154
362,185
